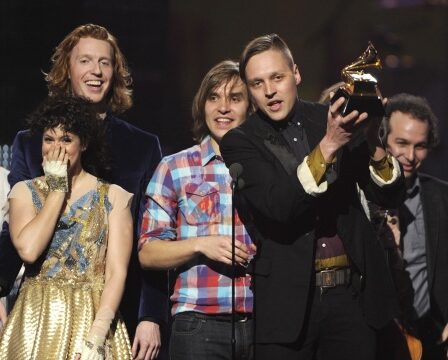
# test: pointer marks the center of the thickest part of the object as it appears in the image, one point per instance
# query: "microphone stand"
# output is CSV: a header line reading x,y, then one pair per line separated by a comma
x,y
235,171
233,339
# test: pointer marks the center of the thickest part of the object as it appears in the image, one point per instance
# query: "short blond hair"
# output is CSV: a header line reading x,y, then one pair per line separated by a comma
x,y
262,44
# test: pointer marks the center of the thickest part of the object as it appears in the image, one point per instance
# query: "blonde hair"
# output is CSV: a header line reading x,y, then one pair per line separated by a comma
x,y
262,44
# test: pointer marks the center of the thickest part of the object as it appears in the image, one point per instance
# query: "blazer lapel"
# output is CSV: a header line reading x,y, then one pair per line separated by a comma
x,y
276,145
281,152
431,216
273,141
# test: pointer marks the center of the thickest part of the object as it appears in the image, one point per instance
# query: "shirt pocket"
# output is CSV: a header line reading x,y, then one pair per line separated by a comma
x,y
203,204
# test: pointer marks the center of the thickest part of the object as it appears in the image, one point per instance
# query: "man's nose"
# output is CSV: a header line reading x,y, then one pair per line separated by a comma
x,y
223,106
269,90
410,153
96,68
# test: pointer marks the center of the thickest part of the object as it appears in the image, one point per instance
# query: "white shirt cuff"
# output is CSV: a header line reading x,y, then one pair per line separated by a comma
x,y
307,180
396,173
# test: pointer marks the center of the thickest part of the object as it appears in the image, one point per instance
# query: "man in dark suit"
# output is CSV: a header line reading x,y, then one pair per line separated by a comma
x,y
89,63
321,281
410,130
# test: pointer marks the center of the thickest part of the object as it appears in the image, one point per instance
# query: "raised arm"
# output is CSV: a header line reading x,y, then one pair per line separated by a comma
x,y
376,173
31,232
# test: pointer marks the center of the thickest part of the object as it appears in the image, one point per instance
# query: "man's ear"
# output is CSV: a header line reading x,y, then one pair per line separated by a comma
x,y
297,74
382,132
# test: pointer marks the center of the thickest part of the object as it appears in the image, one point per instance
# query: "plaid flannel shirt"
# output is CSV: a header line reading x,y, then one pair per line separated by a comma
x,y
188,196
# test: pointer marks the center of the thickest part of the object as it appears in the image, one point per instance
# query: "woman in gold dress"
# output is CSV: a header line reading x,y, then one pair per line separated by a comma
x,y
74,232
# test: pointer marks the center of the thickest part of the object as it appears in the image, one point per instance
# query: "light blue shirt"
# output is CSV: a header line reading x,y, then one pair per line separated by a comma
x,y
414,248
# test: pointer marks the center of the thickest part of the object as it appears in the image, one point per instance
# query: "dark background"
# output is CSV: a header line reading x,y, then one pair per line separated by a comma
x,y
170,45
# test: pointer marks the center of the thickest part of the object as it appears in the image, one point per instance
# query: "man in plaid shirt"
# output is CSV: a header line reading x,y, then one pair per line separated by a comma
x,y
187,227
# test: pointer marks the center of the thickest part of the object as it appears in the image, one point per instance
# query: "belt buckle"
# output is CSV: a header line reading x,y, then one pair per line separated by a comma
x,y
328,278
243,319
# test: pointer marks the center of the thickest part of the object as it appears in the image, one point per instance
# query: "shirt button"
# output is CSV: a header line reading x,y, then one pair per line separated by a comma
x,y
295,139
298,123
324,245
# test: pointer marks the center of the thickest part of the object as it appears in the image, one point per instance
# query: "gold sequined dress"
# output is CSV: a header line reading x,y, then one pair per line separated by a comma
x,y
61,294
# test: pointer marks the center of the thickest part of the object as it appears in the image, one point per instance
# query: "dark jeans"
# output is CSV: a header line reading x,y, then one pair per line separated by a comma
x,y
335,329
197,336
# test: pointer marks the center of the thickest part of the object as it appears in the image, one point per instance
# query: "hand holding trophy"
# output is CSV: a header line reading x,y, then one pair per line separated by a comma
x,y
360,90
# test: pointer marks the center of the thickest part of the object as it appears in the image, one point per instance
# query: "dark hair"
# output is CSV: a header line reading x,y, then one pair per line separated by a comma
x,y
262,44
418,108
120,94
75,115
223,73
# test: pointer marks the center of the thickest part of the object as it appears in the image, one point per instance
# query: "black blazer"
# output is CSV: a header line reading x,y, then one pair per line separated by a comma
x,y
134,156
434,197
281,218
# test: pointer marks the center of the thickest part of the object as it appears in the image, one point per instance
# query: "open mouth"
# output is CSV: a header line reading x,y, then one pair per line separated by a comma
x,y
408,168
94,83
223,122
275,105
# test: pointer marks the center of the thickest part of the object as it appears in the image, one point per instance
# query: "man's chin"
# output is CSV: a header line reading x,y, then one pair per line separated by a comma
x,y
96,99
100,105
409,173
277,116
409,176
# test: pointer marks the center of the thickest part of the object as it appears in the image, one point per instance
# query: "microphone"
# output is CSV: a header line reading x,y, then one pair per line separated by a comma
x,y
235,171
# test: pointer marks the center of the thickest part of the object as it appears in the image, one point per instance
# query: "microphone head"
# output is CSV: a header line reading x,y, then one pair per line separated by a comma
x,y
235,170
240,183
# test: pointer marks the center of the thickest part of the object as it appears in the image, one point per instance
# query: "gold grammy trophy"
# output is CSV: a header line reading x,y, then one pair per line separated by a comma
x,y
360,90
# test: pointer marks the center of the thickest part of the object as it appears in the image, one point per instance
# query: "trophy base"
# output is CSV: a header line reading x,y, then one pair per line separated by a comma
x,y
371,104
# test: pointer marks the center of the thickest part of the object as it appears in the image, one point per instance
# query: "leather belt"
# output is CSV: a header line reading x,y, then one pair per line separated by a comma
x,y
329,278
239,317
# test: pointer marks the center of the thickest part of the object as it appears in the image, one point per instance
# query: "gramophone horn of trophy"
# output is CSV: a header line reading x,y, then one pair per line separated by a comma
x,y
361,90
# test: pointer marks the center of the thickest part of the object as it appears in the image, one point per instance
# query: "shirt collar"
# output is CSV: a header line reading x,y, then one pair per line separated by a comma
x,y
414,189
207,152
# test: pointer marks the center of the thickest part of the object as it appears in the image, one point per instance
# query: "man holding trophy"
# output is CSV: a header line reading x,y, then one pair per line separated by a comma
x,y
321,281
